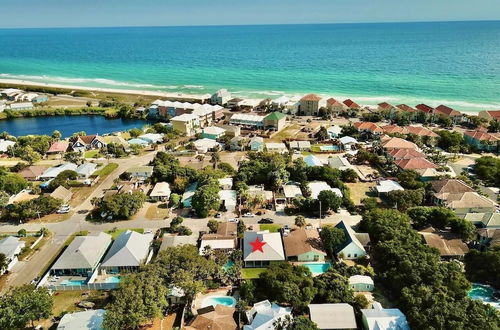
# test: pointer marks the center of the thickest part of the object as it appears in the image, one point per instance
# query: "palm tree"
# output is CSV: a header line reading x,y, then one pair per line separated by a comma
x,y
215,158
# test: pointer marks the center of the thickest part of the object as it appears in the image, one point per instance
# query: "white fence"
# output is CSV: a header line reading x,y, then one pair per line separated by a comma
x,y
83,287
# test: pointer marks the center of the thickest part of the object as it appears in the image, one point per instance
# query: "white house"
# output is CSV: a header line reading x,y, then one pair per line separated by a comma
x,y
204,145
5,144
228,198
256,143
312,160
318,186
84,171
160,192
361,283
347,142
152,138
11,247
140,172
334,131
352,248
264,314
333,316
386,186
55,170
276,147
86,320
221,97
379,318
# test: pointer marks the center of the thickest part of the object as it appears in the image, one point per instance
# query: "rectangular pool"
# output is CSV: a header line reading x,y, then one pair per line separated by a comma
x,y
329,148
73,282
113,279
318,268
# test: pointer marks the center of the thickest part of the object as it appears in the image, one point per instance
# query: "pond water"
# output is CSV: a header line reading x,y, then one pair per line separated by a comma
x,y
68,125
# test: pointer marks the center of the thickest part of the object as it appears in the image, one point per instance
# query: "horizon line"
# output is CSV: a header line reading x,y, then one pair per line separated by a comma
x,y
230,25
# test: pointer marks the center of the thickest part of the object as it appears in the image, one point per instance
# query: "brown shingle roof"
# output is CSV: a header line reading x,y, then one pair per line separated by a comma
x,y
302,241
215,318
398,143
406,108
443,109
405,153
420,131
415,163
385,105
32,172
392,129
452,186
87,139
483,136
333,102
351,104
447,244
425,108
227,229
368,126
311,97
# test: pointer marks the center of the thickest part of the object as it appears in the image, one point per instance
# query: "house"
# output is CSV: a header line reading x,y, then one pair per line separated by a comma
x,y
276,147
58,147
421,131
205,145
339,162
352,248
140,172
300,145
62,194
218,242
33,172
425,109
227,229
275,121
20,106
384,106
419,163
333,316
84,171
5,144
489,114
221,97
86,320
350,104
188,195
11,247
238,143
290,191
262,248
334,131
489,237
186,123
152,138
397,143
310,105
129,251
86,142
397,154
368,127
386,186
161,192
54,171
484,220
407,109
170,240
348,142
483,141
214,318
226,183
379,318
82,256
213,132
454,115
265,314
318,186
10,93
280,101
312,160
116,140
256,143
449,245
304,245
361,283
234,102
335,105
231,131
228,199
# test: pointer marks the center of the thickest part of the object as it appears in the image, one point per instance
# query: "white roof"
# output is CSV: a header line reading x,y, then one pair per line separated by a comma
x,y
347,140
83,252
333,316
226,181
4,144
9,246
292,191
55,170
379,318
215,244
128,249
360,279
170,240
312,160
257,139
185,117
21,105
276,145
272,250
87,320
205,143
161,189
86,169
154,137
300,144
228,196
213,130
335,129
263,314
247,118
319,186
386,186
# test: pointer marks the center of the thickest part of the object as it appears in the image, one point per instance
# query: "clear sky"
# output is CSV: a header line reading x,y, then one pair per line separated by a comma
x,y
61,13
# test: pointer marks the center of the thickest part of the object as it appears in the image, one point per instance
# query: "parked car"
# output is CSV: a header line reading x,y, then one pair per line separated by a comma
x,y
266,220
232,220
248,215
63,209
218,215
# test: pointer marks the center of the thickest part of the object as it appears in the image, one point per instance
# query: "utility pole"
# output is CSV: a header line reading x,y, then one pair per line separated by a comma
x,y
319,214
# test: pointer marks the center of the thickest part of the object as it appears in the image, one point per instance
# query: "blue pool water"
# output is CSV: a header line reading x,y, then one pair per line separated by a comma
x,y
73,282
329,148
317,269
228,265
113,279
485,294
219,300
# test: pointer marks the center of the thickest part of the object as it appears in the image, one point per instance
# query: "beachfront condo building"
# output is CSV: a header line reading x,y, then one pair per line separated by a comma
x,y
186,123
310,105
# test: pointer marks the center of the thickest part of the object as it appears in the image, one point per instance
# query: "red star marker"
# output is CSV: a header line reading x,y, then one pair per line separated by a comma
x,y
257,245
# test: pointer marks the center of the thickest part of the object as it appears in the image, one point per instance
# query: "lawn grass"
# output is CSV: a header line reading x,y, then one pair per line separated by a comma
x,y
91,153
115,233
157,212
106,170
271,227
251,273
360,191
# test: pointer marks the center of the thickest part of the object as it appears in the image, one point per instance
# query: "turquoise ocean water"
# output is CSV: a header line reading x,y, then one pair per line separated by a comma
x,y
456,63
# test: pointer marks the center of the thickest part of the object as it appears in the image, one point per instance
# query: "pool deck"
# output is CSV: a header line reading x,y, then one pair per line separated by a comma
x,y
57,280
197,303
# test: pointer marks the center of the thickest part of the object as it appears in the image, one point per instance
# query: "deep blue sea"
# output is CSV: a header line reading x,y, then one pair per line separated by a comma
x,y
456,63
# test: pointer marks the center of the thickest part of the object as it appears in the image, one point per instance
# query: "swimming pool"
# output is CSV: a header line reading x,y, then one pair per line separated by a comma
x,y
485,293
73,282
329,148
228,265
318,268
219,300
113,279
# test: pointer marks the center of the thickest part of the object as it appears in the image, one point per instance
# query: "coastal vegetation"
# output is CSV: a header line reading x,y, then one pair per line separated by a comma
x,y
483,266
487,169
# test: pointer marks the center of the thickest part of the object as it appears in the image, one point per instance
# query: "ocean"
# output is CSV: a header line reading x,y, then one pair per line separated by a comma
x,y
455,63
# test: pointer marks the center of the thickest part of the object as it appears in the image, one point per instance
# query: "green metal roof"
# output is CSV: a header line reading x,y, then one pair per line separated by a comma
x,y
275,116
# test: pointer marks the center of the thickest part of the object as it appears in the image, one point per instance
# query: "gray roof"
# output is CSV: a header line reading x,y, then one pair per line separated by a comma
x,y
86,169
128,249
272,249
84,252
175,240
333,316
89,320
9,245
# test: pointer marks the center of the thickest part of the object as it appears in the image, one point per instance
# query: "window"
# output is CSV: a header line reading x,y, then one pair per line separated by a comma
x,y
349,255
355,255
